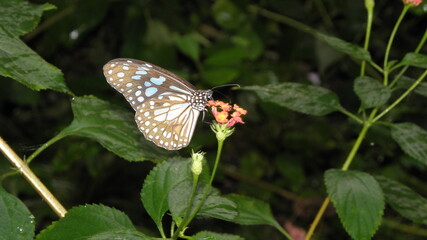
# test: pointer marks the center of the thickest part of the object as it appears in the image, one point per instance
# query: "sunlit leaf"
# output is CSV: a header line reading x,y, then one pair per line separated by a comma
x,y
404,200
16,221
371,92
412,139
159,182
87,221
214,205
207,235
121,234
114,128
22,64
358,199
299,97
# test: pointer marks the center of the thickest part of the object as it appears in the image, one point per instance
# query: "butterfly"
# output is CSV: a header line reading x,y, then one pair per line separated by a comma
x,y
167,106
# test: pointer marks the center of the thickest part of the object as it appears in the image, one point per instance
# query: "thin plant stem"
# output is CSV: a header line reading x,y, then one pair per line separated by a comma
x,y
351,115
317,218
390,42
41,189
413,86
377,67
205,193
367,37
43,147
366,125
186,219
417,50
357,144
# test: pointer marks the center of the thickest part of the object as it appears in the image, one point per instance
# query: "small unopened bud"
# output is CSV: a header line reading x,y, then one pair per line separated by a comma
x,y
197,165
369,4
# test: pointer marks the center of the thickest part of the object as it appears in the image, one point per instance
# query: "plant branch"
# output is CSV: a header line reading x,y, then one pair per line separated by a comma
x,y
41,189
413,86
417,50
390,42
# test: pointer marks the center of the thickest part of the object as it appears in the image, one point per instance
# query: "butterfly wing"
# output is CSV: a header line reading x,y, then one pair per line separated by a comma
x,y
160,98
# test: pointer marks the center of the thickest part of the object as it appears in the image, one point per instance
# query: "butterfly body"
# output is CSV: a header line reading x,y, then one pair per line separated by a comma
x,y
167,106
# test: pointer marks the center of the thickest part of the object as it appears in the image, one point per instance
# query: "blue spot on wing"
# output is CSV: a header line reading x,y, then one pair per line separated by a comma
x,y
147,84
136,77
150,91
158,81
141,72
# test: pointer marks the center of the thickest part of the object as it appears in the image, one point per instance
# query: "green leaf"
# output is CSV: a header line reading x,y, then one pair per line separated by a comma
x,y
22,64
252,211
415,60
404,200
371,92
113,127
345,47
19,17
126,234
189,45
214,205
207,235
227,15
159,182
299,97
412,139
218,76
358,199
86,221
406,82
16,221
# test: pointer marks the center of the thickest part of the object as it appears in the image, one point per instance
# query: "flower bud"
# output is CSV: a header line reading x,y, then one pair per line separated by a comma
x,y
197,165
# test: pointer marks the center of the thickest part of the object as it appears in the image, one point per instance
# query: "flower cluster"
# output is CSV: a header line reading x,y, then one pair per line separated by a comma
x,y
225,113
413,3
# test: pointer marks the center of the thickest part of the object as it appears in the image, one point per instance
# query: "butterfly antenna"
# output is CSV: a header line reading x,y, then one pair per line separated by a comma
x,y
226,85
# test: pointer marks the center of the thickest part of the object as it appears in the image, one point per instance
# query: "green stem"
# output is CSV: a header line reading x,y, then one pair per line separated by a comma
x,y
378,68
44,146
367,37
351,115
413,86
390,42
282,19
186,218
205,193
417,50
317,218
357,144
366,125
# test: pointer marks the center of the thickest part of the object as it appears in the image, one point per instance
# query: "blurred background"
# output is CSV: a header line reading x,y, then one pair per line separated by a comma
x,y
278,156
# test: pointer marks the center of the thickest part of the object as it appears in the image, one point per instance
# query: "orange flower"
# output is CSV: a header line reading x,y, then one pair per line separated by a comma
x,y
413,3
225,113
222,117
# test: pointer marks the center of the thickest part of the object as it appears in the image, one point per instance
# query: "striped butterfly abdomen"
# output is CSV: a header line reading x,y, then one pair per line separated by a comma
x,y
167,106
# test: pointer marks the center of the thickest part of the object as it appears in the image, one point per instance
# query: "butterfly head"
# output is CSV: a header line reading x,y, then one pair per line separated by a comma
x,y
200,98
